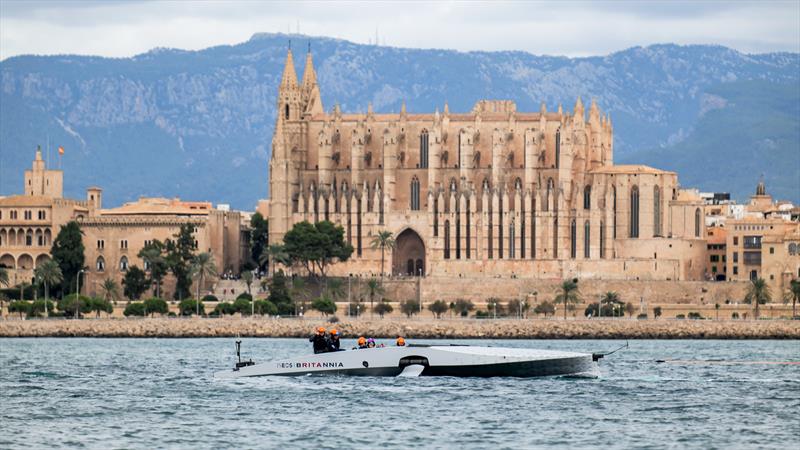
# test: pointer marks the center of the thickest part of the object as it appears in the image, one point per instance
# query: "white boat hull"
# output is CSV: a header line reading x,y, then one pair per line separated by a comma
x,y
458,361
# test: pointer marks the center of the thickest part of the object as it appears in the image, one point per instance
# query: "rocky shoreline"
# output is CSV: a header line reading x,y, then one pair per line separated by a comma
x,y
411,328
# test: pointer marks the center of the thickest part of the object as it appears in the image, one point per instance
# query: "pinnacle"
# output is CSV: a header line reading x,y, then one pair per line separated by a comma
x,y
289,78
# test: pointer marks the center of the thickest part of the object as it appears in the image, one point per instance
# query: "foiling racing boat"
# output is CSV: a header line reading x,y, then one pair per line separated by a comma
x,y
426,360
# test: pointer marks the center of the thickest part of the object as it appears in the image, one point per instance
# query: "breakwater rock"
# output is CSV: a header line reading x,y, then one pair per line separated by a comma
x,y
411,328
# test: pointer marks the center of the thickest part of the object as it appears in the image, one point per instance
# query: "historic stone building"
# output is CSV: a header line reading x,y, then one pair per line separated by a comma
x,y
112,237
493,191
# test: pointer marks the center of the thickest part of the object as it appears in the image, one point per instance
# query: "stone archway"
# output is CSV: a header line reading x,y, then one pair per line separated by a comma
x,y
408,257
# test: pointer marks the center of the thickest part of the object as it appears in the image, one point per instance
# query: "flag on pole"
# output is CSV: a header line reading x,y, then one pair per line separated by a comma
x,y
60,150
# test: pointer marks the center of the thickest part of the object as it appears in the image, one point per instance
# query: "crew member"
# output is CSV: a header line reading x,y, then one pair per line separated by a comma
x,y
370,343
333,341
319,341
362,342
401,342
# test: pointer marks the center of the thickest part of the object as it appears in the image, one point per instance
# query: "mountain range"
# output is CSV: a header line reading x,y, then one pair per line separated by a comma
x,y
198,124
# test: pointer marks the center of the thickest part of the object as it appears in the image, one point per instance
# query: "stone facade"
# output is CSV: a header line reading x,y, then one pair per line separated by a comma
x,y
112,237
487,192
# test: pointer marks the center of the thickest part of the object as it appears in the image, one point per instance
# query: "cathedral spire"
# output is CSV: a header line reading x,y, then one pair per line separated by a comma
x,y
289,78
309,75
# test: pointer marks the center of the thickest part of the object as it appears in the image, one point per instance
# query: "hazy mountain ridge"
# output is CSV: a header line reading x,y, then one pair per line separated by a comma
x,y
198,123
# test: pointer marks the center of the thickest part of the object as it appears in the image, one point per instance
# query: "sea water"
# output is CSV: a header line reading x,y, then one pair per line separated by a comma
x,y
160,393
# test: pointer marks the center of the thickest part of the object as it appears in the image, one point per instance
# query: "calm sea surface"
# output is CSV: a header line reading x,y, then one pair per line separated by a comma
x,y
159,393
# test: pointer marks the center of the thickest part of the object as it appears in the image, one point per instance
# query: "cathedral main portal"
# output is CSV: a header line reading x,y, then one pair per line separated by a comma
x,y
408,257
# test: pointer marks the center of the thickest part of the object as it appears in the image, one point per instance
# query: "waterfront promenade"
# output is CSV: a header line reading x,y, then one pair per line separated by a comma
x,y
412,328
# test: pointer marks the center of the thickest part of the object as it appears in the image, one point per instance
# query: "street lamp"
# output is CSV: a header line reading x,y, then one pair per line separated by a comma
x,y
78,294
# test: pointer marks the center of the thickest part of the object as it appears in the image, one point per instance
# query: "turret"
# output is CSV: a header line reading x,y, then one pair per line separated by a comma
x,y
310,96
289,101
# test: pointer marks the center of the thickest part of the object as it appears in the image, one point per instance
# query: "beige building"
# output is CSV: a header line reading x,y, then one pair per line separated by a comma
x,y
112,237
764,244
493,191
29,222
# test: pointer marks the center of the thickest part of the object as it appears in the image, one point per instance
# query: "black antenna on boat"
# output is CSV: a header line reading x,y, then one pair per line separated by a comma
x,y
239,362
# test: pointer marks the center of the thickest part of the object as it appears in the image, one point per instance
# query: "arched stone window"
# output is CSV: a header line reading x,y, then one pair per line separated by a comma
x,y
697,219
602,240
558,147
555,238
792,249
415,194
446,239
587,197
614,207
123,264
573,239
29,238
423,149
286,111
657,211
511,237
586,239
549,195
634,213
100,264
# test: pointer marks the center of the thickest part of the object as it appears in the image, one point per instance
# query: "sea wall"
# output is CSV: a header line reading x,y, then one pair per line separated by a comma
x,y
411,328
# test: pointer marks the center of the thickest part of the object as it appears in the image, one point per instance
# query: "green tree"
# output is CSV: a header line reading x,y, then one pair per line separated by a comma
x,y
383,240
247,277
156,305
69,306
110,290
40,306
374,288
135,283
438,308
409,307
156,263
545,308
463,307
383,308
277,253
180,256
189,306
758,294
259,239
203,266
19,306
134,309
3,276
279,294
224,308
569,295
68,253
244,305
99,305
317,246
335,290
611,299
49,274
265,308
795,292
518,307
324,305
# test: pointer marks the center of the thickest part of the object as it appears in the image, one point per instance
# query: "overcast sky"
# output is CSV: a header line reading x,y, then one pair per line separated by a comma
x,y
572,28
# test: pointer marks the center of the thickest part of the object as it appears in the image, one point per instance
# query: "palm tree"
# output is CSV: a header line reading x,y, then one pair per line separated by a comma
x,y
373,288
384,240
110,290
758,294
48,273
569,295
247,276
609,298
202,266
277,253
299,291
795,291
152,256
336,289
3,276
